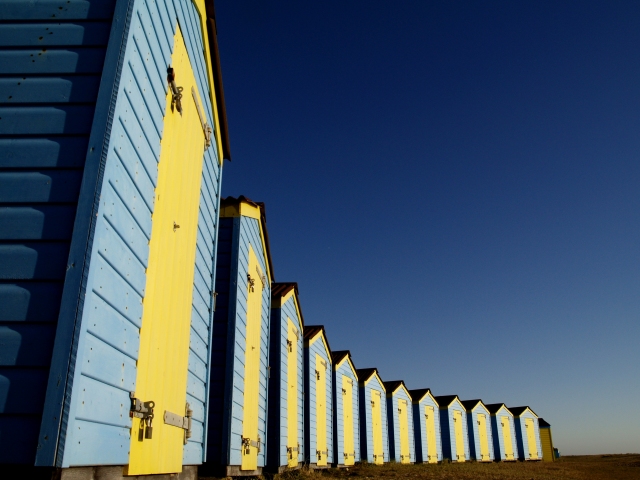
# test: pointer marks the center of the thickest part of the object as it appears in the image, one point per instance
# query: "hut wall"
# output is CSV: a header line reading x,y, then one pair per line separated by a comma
x,y
523,438
310,429
366,424
498,440
546,442
338,437
421,435
447,429
474,433
393,404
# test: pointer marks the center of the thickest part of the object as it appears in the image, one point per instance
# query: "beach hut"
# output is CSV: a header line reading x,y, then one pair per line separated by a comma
x,y
318,398
239,362
527,433
546,441
400,422
504,433
374,439
453,428
112,138
285,434
346,434
479,428
426,426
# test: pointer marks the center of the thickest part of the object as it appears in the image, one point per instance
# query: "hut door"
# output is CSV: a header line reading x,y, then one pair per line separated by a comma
x,y
531,438
482,433
376,420
293,446
506,436
403,421
157,441
321,411
430,426
250,438
457,421
347,415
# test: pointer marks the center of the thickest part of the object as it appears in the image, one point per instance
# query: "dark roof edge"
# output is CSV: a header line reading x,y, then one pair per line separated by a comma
x,y
312,330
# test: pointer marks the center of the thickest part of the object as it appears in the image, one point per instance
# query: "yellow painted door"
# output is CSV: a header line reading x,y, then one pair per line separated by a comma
x,y
430,426
482,434
251,441
347,416
403,420
292,395
506,436
531,438
161,375
321,411
376,420
457,424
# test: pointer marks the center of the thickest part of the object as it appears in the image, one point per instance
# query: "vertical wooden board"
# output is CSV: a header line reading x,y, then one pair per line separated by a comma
x,y
321,412
292,393
430,428
482,434
505,425
348,447
459,435
403,423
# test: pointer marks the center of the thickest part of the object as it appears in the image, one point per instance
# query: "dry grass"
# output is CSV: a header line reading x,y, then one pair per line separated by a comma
x,y
596,467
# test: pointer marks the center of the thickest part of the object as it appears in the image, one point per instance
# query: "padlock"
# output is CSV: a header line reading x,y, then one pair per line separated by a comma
x,y
148,431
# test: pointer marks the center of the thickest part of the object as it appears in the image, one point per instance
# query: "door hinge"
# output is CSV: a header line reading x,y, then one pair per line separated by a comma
x,y
179,421
176,92
203,121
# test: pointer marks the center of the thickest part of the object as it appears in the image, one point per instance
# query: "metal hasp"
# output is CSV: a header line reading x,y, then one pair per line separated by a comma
x,y
144,411
179,421
176,92
247,443
203,121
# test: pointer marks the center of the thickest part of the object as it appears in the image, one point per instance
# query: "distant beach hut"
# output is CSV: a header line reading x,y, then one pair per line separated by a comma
x,y
346,417
285,433
374,440
400,420
504,432
238,394
527,433
318,398
479,428
546,440
453,428
426,426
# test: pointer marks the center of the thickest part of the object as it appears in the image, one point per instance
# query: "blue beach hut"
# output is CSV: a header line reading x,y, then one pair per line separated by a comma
x,y
285,432
527,433
318,399
400,421
426,426
479,428
112,138
374,436
240,359
504,433
346,418
453,427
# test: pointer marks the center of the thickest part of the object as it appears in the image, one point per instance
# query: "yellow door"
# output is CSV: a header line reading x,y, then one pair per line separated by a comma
x,y
376,420
292,395
321,411
163,360
347,416
531,438
482,434
457,421
506,436
430,426
251,441
403,420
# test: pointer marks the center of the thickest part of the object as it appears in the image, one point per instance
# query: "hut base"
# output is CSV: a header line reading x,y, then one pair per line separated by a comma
x,y
281,468
315,466
189,472
234,471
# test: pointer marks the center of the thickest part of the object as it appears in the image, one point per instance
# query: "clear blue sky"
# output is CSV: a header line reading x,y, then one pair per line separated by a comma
x,y
455,188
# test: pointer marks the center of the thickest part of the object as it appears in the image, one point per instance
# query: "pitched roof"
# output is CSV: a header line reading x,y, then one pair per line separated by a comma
x,y
494,407
517,411
365,374
445,400
339,355
393,385
280,289
542,423
470,404
227,201
310,331
419,393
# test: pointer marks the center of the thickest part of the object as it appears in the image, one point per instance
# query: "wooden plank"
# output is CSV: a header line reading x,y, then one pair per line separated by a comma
x,y
32,301
69,120
101,444
56,9
33,261
43,222
26,344
34,62
23,390
58,34
102,403
65,152
104,363
80,89
40,187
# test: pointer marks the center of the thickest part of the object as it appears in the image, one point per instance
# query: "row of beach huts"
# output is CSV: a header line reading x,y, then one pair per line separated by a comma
x,y
141,328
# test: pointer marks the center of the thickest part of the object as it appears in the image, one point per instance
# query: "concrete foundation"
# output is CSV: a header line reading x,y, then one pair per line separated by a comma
x,y
189,472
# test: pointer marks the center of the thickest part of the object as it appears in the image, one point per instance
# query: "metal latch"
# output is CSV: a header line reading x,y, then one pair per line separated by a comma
x,y
179,421
324,364
290,345
143,411
317,375
251,282
176,92
203,121
247,443
319,453
292,450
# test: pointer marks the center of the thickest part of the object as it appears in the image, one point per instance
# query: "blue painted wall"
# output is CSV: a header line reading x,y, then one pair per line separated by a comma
x,y
228,351
310,446
393,420
420,432
523,439
338,412
277,425
448,434
474,432
366,429
498,441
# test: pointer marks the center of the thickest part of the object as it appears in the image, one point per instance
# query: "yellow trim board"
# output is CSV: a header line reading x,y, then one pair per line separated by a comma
x,y
525,411
375,374
394,392
280,301
324,341
346,359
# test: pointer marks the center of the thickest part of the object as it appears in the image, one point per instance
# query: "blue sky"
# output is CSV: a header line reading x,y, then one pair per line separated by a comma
x,y
454,186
